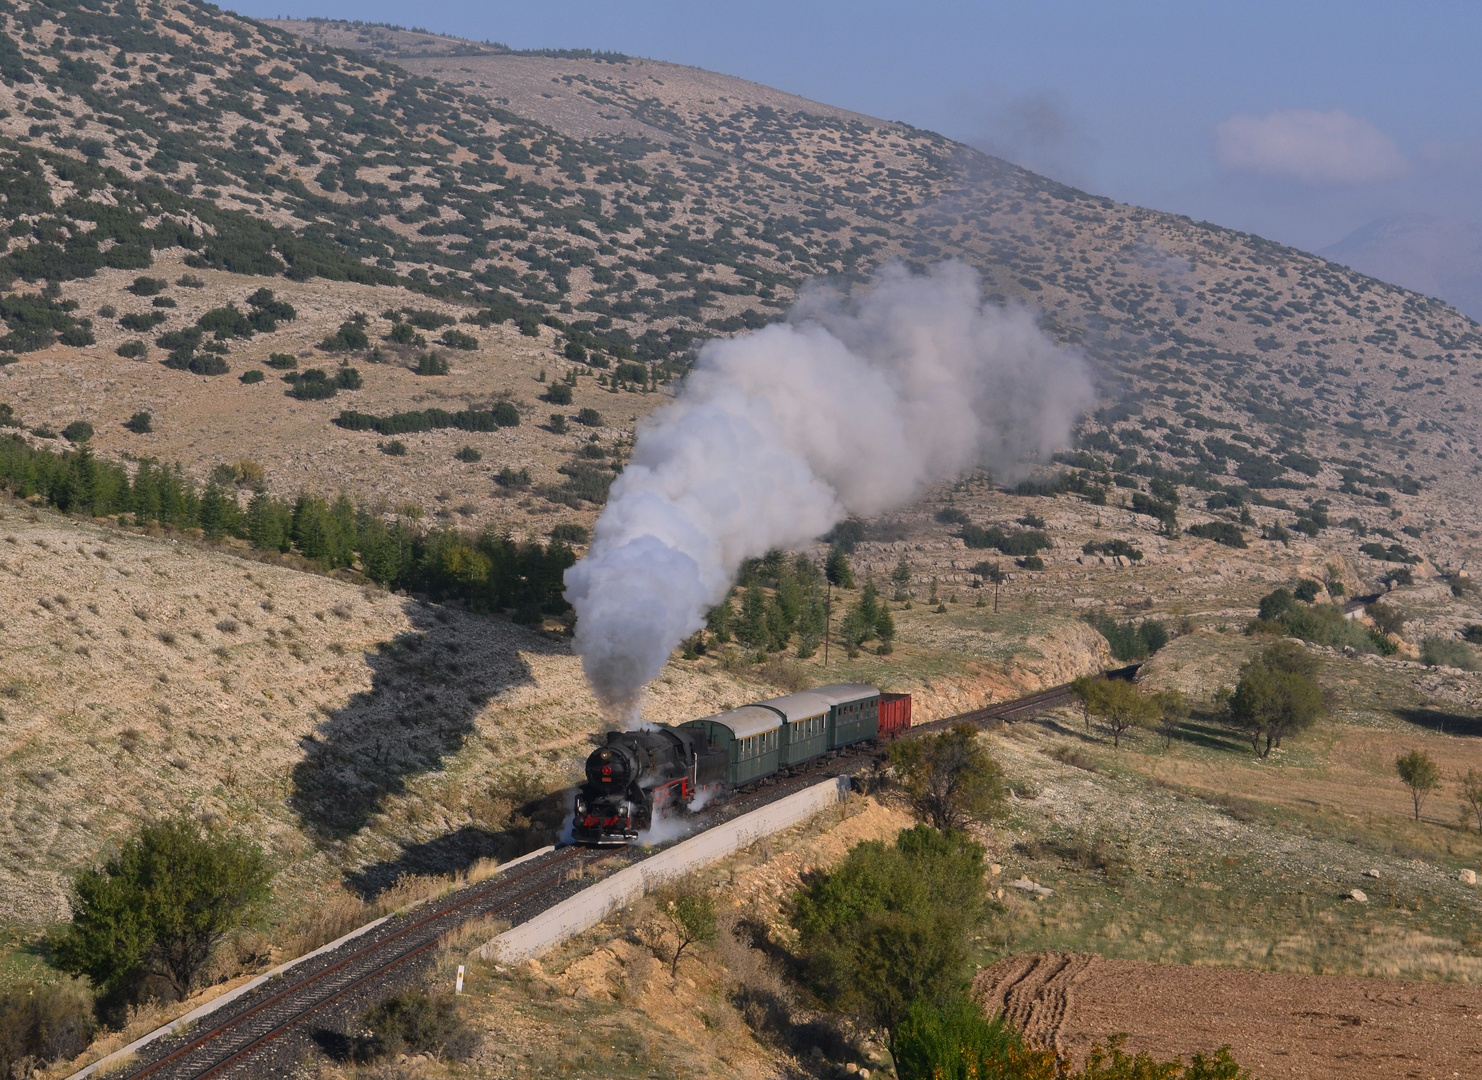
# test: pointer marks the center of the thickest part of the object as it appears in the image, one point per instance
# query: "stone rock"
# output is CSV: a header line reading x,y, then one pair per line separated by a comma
x,y
1371,873
1468,877
851,1068
1031,887
994,869
1359,895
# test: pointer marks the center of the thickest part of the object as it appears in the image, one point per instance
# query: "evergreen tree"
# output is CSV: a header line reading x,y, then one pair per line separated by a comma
x,y
837,569
751,628
718,620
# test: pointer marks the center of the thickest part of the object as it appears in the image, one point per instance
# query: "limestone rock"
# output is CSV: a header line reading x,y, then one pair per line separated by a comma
x,y
1359,895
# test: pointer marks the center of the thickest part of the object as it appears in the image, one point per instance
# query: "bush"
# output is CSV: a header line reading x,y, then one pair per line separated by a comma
x,y
1030,562
949,779
1306,590
893,925
469,454
557,424
428,320
252,377
141,423
348,337
403,334
415,1021
589,418
1026,542
950,515
348,378
430,363
6,359
513,478
954,1042
457,339
190,281
41,1023
1128,640
394,448
310,385
558,394
1387,618
78,431
1112,547
158,908
282,361
133,350
207,364
1221,532
148,286
1448,652
142,321
569,532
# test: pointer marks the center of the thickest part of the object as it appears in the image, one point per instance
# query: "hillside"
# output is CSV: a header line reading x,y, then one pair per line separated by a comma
x,y
615,211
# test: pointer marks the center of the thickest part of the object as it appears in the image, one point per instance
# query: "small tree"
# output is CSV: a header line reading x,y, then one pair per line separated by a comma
x,y
1086,689
900,577
1277,695
1387,619
1122,707
691,916
1418,772
837,569
949,779
141,423
1173,710
159,907
1471,791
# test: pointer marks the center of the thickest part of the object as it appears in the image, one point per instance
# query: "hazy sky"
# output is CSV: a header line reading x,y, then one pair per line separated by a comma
x,y
1299,121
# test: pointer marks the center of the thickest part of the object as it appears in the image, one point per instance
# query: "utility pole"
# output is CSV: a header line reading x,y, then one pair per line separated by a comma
x,y
828,617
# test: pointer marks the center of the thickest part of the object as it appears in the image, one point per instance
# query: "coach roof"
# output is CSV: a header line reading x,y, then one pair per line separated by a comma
x,y
746,721
838,693
800,706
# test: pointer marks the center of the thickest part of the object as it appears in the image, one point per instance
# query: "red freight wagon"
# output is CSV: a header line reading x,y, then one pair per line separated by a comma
x,y
895,715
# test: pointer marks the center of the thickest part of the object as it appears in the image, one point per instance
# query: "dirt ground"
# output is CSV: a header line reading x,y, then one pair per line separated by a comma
x,y
1311,1026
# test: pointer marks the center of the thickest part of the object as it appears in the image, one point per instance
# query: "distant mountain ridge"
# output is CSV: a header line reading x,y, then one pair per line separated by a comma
x,y
1433,255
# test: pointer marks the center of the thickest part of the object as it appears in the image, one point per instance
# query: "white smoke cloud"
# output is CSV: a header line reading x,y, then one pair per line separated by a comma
x,y
850,407
1318,147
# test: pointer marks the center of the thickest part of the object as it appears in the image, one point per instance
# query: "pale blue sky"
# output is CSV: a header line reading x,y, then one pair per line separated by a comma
x,y
1333,114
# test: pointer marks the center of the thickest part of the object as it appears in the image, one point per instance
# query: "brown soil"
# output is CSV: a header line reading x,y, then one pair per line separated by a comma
x,y
1310,1026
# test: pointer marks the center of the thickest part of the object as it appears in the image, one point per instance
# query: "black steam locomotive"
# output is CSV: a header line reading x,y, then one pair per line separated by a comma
x,y
638,776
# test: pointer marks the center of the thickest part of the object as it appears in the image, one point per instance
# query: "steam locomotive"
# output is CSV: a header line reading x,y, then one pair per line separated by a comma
x,y
639,776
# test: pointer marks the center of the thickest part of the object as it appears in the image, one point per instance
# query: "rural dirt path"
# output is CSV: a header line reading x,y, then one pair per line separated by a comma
x,y
1279,1025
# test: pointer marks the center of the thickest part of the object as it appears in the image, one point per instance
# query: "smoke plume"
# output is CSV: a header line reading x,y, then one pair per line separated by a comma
x,y
850,407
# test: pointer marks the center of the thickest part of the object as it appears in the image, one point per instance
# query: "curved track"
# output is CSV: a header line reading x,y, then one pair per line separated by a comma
x,y
246,1037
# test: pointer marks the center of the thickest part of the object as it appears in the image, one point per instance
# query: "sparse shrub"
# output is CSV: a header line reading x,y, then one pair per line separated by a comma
x,y
348,378
569,532
350,336
133,350
207,364
557,424
41,1023
108,311
141,423
394,448
6,359
148,286
1221,532
431,363
78,431
558,394
1448,652
690,912
469,454
457,339
141,321
190,281
513,478
415,1021
282,361
951,515
1470,784
252,377
1387,618
589,418
310,385
403,334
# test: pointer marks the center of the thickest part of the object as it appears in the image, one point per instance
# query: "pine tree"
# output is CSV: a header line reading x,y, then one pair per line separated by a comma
x,y
837,569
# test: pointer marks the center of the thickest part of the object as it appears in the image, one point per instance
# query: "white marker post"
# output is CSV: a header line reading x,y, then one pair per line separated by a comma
x,y
459,989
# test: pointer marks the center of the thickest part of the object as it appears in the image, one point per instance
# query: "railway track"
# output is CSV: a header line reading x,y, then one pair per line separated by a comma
x,y
240,1038
225,1043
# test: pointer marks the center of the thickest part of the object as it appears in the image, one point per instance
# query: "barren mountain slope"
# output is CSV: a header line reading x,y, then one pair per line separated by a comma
x,y
1236,362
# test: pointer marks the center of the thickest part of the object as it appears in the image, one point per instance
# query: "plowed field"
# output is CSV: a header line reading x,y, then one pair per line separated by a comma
x,y
1279,1025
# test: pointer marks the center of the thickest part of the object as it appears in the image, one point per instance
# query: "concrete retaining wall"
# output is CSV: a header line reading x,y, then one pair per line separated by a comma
x,y
590,906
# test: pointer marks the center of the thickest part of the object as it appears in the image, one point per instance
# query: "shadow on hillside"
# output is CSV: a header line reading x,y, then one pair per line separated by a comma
x,y
1211,737
426,693
1446,723
533,826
